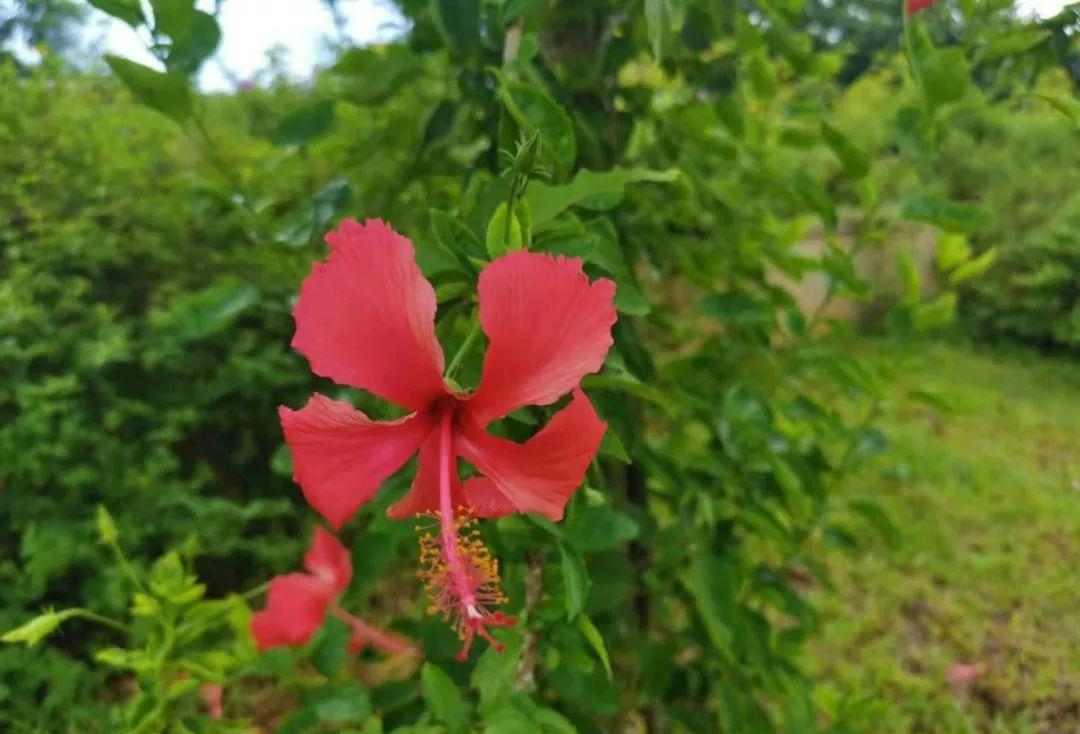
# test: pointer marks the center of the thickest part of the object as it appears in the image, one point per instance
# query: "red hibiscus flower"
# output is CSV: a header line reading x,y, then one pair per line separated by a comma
x,y
915,6
297,603
366,318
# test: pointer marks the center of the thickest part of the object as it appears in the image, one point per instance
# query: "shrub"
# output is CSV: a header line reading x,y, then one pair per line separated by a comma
x,y
1033,292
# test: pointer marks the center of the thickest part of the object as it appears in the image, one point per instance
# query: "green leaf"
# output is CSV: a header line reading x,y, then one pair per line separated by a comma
x,y
106,526
612,447
658,25
1066,105
936,313
535,112
38,628
952,250
329,652
168,93
796,500
509,719
737,309
945,77
876,517
173,17
575,581
459,23
594,529
952,216
198,315
856,163
128,11
305,123
137,660
913,133
443,698
626,382
502,238
1014,41
197,44
813,194
761,73
552,722
712,583
547,201
909,275
457,240
171,582
342,703
438,126
493,675
973,268
588,629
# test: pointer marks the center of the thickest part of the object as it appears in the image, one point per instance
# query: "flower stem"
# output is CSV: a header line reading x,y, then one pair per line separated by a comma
x,y
464,349
386,642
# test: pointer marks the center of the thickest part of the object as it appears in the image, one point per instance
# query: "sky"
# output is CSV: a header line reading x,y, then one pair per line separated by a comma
x,y
1042,8
251,28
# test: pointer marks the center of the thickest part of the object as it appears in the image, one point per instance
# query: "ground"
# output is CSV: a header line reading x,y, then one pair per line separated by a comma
x,y
971,623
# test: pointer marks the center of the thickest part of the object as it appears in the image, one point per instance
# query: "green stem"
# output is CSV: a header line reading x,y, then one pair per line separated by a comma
x,y
912,65
94,617
251,594
464,349
509,213
122,561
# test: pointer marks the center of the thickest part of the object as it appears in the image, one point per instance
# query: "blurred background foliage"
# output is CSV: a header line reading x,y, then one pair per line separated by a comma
x,y
766,181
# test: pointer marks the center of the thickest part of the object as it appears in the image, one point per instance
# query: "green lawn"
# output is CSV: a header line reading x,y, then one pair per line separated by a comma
x,y
986,497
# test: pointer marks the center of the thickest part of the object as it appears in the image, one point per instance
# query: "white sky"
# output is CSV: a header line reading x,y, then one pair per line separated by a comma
x,y
1041,8
251,28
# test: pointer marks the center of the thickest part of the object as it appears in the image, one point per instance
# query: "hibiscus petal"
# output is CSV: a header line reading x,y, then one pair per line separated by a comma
x,y
341,457
547,326
536,476
366,317
329,560
486,500
295,609
424,494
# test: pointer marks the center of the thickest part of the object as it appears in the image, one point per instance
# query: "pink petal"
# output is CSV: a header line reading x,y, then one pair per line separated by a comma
x,y
424,494
486,500
329,560
536,476
212,694
547,328
341,457
366,317
295,609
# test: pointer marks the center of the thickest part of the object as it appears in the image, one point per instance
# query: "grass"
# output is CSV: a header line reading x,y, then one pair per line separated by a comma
x,y
986,498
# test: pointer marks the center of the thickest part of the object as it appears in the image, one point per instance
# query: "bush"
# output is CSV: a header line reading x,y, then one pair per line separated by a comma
x,y
1033,292
133,362
1023,163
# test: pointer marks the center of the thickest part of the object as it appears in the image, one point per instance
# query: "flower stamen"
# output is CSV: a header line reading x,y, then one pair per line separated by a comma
x,y
461,577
